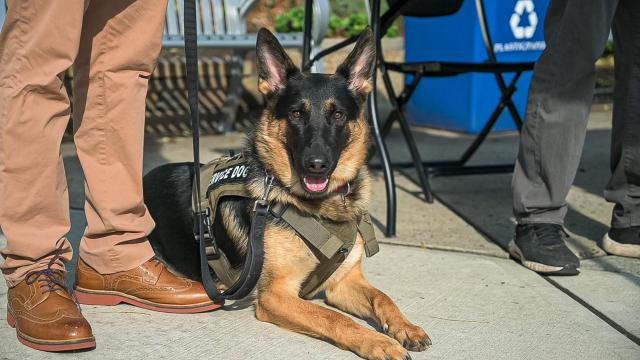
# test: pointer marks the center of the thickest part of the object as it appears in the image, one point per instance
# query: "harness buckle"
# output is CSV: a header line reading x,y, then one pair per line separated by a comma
x,y
344,195
261,203
207,233
264,201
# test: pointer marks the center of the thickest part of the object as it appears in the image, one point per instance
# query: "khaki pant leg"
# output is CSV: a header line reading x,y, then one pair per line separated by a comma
x,y
120,43
38,42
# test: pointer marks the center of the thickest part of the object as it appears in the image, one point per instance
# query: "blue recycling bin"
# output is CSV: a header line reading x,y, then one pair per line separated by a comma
x,y
465,102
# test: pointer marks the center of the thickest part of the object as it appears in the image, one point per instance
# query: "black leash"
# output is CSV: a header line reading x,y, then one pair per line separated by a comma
x,y
202,223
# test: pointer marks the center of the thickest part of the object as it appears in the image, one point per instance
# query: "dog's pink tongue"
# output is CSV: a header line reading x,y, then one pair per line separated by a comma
x,y
315,184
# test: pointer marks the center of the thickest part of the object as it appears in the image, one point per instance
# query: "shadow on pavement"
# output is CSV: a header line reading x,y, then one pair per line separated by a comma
x,y
485,201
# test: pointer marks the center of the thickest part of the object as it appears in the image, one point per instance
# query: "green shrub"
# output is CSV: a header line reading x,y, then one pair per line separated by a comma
x,y
291,21
354,24
337,24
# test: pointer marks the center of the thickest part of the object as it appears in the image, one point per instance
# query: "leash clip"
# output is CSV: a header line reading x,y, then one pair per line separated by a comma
x,y
344,195
268,184
207,233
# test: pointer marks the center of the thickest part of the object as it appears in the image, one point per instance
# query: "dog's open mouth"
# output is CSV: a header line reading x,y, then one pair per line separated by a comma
x,y
315,184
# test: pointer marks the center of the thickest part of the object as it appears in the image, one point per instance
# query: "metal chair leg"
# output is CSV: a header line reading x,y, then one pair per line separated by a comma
x,y
306,42
388,124
384,131
423,176
373,112
400,101
458,167
386,166
488,44
504,100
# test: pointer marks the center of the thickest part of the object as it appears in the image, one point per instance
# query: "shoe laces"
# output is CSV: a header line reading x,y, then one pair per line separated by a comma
x,y
50,279
550,234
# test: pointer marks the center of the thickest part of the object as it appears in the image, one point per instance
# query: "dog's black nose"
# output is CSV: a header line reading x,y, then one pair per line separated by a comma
x,y
317,165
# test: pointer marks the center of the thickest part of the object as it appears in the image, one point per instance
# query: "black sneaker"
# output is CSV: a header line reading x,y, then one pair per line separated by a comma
x,y
623,242
542,248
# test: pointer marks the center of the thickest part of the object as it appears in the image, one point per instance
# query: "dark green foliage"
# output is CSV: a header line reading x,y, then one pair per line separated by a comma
x,y
291,21
341,23
348,26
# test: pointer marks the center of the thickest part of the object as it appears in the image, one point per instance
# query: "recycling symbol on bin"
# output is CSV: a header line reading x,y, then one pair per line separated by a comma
x,y
524,20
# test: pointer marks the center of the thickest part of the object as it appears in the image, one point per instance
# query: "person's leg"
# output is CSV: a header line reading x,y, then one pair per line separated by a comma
x,y
120,43
623,188
38,43
554,130
558,108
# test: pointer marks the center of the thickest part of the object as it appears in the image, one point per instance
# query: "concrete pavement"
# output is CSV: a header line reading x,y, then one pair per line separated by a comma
x,y
473,306
446,269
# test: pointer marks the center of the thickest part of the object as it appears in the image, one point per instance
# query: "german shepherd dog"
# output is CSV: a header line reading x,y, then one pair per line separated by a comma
x,y
313,138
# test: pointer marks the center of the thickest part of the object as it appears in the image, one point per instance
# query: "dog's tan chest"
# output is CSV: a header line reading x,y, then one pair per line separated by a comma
x,y
352,259
288,259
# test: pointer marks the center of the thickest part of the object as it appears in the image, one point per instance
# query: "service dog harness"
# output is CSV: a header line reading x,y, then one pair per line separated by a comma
x,y
330,241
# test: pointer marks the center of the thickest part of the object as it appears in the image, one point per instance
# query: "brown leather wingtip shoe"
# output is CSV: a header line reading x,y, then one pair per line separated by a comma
x,y
150,286
45,316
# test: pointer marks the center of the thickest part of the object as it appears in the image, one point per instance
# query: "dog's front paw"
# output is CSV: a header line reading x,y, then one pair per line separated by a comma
x,y
412,337
381,347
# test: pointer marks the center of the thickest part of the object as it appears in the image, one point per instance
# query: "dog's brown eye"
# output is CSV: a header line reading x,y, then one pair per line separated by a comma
x,y
296,114
338,116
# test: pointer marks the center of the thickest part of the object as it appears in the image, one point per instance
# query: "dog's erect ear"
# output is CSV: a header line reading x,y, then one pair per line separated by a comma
x,y
357,68
274,65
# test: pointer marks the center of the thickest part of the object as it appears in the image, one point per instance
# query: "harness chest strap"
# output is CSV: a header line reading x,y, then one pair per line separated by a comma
x,y
365,227
330,241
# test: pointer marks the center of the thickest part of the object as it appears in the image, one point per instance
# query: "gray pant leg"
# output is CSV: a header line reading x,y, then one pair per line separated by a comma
x,y
558,107
623,188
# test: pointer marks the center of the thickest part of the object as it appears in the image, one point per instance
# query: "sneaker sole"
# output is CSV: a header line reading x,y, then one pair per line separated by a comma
x,y
51,345
615,248
515,251
110,298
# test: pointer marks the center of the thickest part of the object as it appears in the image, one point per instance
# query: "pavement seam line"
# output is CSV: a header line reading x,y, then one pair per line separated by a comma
x,y
577,299
593,310
445,249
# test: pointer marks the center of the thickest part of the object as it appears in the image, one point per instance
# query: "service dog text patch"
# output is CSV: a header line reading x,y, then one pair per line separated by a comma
x,y
231,171
222,177
235,173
